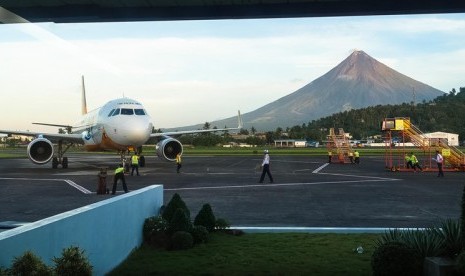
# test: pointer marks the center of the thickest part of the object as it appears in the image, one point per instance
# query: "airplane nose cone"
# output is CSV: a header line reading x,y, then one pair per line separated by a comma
x,y
132,133
138,134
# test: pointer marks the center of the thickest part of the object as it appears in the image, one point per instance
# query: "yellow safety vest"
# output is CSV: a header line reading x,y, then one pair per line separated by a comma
x,y
414,159
119,170
407,158
178,158
357,154
330,153
135,159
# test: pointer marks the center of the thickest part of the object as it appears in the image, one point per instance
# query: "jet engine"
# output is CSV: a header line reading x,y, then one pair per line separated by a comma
x,y
40,151
168,149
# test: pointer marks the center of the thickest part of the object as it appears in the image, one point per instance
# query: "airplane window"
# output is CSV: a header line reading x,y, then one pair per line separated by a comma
x,y
116,112
139,111
109,114
127,111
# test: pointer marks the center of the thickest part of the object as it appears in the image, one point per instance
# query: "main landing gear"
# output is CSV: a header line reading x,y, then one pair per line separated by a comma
x,y
60,159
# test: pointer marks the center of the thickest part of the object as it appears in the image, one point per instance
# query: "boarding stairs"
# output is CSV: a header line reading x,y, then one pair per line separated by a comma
x,y
453,157
339,145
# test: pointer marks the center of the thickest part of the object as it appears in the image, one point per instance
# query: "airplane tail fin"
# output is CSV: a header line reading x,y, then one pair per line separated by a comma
x,y
239,120
83,102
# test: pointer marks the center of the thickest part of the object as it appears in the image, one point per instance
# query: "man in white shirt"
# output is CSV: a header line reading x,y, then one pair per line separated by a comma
x,y
439,160
266,168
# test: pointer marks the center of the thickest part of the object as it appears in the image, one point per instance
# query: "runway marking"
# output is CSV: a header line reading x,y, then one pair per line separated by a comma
x,y
69,182
320,168
281,184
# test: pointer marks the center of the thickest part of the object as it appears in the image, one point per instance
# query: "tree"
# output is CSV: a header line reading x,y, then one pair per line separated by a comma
x,y
206,126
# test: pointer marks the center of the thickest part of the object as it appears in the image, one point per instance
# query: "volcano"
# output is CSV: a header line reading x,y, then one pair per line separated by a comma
x,y
358,81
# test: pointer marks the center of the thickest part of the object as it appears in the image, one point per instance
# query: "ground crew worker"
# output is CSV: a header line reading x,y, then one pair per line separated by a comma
x,y
135,164
357,157
415,163
266,168
119,174
330,155
439,160
408,162
351,157
178,162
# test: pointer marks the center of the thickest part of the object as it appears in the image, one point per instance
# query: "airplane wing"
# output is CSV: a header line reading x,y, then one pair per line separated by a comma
x,y
157,136
53,137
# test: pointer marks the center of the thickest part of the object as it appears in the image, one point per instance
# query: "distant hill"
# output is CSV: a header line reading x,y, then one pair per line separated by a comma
x,y
358,81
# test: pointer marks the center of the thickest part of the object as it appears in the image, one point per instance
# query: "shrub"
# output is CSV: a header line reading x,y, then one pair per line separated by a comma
x,y
182,240
29,264
206,218
175,203
72,262
221,224
451,237
180,222
396,259
153,225
200,234
460,263
4,271
426,242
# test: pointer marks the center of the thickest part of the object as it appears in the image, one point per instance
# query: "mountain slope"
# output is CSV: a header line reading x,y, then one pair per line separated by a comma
x,y
358,81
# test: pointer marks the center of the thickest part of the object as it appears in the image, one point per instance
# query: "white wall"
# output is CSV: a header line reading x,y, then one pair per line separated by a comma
x,y
108,230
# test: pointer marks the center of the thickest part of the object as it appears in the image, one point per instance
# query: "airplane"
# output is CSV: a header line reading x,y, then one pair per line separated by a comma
x,y
121,125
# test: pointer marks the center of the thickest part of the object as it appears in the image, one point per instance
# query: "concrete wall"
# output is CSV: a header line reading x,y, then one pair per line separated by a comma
x,y
108,230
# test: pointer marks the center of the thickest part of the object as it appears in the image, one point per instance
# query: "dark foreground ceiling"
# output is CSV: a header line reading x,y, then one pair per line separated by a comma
x,y
67,11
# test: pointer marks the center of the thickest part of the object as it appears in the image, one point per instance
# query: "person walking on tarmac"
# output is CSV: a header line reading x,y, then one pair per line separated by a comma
x,y
439,160
266,168
119,174
178,162
330,156
135,164
415,163
357,157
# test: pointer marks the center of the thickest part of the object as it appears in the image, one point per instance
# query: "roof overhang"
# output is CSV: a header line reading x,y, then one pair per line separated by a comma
x,y
72,11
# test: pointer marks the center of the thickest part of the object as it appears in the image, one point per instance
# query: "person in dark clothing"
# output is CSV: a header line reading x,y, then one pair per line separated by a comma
x,y
119,174
266,168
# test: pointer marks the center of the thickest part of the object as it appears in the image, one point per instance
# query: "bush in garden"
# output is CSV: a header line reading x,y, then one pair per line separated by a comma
x,y
200,234
450,233
460,263
153,225
425,242
206,218
395,259
180,222
221,224
175,203
72,262
28,264
182,240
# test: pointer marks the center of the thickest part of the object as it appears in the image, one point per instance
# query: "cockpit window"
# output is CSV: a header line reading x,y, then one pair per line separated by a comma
x,y
127,111
109,114
116,112
139,111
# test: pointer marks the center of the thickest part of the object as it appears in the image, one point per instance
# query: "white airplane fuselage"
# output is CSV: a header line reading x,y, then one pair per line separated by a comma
x,y
118,125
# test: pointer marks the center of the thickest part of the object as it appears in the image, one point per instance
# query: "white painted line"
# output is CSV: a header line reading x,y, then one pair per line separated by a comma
x,y
69,182
80,188
280,185
320,168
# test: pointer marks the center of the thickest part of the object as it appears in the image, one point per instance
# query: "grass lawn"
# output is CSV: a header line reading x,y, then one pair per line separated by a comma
x,y
259,254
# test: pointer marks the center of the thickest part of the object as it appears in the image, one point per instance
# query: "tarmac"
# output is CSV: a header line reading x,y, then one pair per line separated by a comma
x,y
307,192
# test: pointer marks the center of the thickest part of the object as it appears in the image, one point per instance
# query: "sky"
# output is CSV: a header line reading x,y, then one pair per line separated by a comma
x,y
191,72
